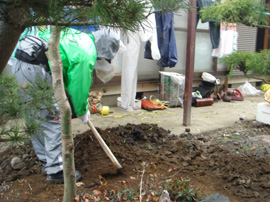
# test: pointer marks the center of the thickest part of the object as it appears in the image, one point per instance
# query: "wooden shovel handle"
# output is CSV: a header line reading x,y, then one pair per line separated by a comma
x,y
104,146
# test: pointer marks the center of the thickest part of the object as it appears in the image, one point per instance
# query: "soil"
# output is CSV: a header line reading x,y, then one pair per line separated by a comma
x,y
233,161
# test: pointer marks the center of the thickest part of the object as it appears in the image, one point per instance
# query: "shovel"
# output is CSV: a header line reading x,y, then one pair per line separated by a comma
x,y
104,146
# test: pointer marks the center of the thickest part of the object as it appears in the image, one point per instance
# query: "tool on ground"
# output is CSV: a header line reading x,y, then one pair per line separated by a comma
x,y
104,146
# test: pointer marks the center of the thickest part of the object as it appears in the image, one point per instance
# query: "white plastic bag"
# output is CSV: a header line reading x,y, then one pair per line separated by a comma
x,y
248,90
172,88
210,78
105,70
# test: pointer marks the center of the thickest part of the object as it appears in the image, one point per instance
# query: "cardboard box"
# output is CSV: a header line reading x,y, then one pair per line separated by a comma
x,y
137,106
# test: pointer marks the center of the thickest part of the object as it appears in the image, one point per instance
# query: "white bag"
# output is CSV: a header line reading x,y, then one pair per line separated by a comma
x,y
210,78
248,90
172,88
105,70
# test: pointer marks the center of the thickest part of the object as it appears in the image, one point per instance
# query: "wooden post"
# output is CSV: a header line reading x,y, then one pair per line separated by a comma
x,y
266,32
191,34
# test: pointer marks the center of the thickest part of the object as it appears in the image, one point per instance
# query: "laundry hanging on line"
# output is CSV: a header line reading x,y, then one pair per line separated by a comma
x,y
228,40
214,25
130,59
166,40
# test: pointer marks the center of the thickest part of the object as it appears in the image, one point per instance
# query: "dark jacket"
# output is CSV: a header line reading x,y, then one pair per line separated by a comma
x,y
213,24
166,40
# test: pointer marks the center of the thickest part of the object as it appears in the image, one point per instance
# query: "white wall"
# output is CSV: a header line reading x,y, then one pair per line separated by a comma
x,y
203,59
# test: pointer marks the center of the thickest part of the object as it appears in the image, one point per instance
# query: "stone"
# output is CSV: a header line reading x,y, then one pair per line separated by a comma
x,y
168,153
214,198
17,163
24,156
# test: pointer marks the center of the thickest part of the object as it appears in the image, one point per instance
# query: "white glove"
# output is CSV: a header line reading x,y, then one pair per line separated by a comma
x,y
85,117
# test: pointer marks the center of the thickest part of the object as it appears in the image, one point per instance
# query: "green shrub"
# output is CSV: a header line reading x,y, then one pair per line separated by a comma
x,y
251,63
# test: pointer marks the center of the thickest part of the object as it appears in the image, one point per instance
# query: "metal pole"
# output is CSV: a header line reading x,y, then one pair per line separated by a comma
x,y
191,34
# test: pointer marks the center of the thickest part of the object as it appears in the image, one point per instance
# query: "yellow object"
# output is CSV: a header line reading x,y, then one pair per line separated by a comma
x,y
157,101
265,87
105,110
267,96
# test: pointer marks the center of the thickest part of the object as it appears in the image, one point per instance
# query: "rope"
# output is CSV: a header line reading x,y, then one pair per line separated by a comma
x,y
154,115
157,102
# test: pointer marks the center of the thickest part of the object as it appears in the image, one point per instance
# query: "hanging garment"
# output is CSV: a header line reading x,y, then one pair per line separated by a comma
x,y
132,42
228,40
129,70
213,25
166,41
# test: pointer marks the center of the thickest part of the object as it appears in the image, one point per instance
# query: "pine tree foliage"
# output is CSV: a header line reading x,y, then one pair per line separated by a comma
x,y
248,12
251,13
20,108
125,14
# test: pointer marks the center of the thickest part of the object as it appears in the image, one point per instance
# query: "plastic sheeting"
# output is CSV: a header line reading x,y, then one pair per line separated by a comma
x,y
107,43
248,90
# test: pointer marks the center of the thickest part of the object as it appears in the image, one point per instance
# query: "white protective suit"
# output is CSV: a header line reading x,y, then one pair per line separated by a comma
x,y
130,59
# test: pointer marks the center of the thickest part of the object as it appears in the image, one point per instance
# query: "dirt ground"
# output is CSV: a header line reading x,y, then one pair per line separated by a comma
x,y
220,154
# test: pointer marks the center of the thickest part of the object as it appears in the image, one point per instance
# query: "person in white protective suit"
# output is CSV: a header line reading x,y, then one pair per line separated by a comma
x,y
77,72
130,59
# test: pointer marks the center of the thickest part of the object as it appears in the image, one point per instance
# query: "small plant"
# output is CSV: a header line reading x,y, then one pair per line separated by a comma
x,y
181,190
234,137
151,187
149,147
245,148
224,139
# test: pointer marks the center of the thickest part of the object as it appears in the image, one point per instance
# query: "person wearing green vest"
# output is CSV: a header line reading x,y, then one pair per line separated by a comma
x,y
78,54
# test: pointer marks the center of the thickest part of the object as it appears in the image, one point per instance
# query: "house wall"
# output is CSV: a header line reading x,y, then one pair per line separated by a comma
x,y
148,71
203,49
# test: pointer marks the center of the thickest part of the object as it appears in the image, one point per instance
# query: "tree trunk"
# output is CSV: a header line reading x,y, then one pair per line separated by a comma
x,y
65,113
10,32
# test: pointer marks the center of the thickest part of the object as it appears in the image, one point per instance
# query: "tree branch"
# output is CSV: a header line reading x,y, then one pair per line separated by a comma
x,y
262,26
255,77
